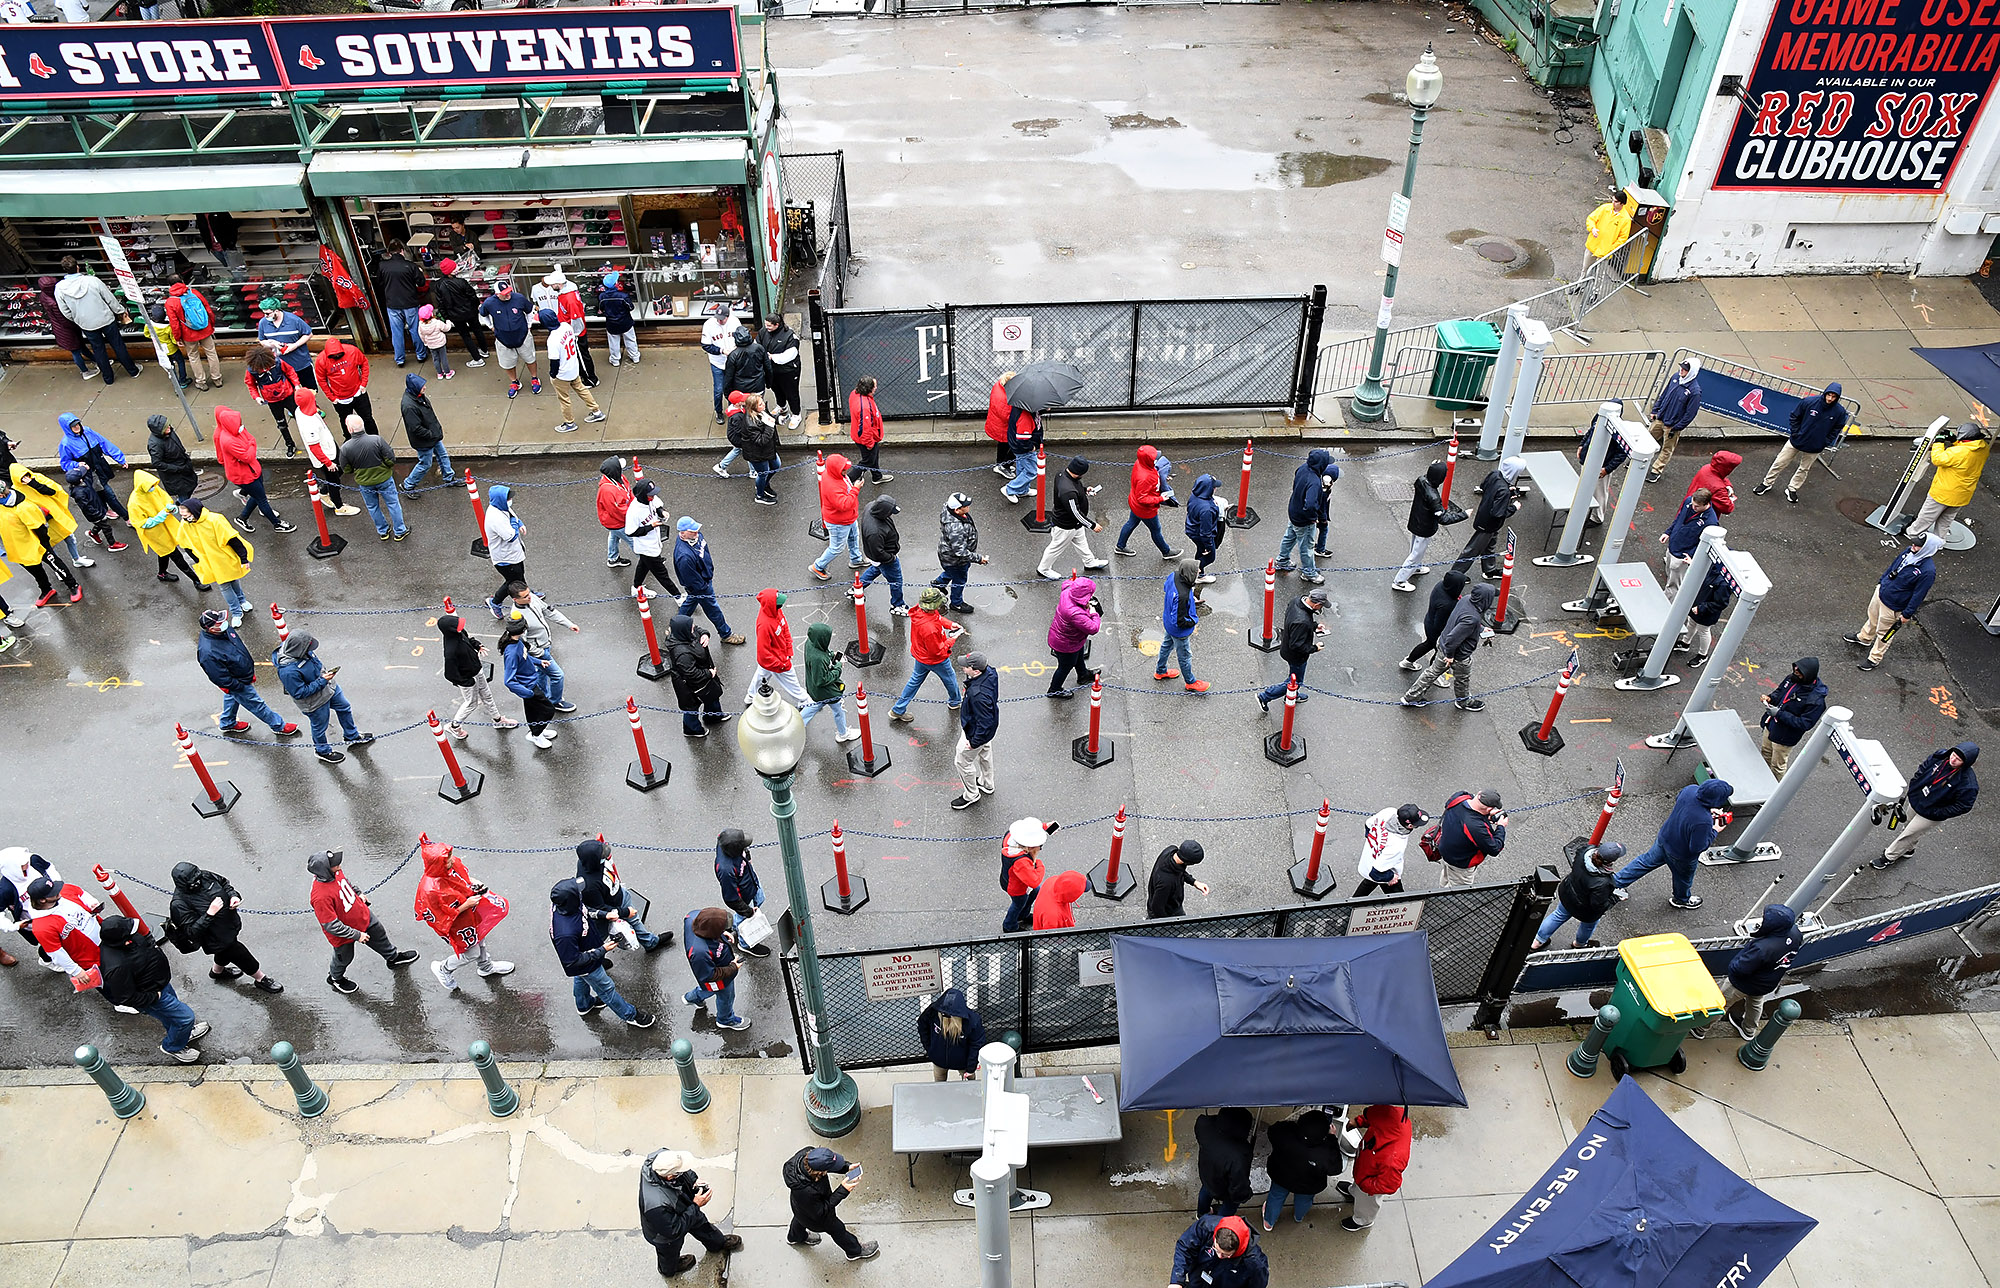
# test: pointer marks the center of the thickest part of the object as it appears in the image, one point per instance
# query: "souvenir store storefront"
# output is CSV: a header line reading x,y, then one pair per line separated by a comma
x,y
276,157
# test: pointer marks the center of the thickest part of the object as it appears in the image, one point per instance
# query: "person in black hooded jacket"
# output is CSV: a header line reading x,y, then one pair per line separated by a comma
x,y
1498,500
170,459
1444,598
1757,968
1304,1156
606,899
952,1034
465,670
1791,710
1427,513
882,547
697,682
671,1199
135,973
1463,632
815,1204
205,920
1225,1140
1585,895
583,946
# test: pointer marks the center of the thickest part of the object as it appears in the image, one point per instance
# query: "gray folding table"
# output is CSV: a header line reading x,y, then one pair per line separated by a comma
x,y
947,1117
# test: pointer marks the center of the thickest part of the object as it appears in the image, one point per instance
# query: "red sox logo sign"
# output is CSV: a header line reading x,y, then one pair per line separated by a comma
x,y
38,67
1889,931
308,59
1753,403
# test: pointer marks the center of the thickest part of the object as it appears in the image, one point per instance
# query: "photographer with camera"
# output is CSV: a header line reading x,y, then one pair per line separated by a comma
x,y
671,1199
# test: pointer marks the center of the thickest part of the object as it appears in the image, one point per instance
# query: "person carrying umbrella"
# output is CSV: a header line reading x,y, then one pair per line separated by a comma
x,y
1036,388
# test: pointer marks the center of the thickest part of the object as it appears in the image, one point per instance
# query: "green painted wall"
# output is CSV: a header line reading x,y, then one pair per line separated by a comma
x,y
1654,68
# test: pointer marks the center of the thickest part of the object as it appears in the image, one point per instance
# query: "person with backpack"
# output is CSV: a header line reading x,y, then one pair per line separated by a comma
x,y
204,919
753,433
1472,829
620,333
191,322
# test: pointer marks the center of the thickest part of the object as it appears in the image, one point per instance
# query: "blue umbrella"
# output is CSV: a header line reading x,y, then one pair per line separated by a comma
x,y
1974,368
1633,1203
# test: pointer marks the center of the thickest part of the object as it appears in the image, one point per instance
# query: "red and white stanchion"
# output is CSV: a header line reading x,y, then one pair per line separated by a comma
x,y
119,898
1610,803
1501,624
1039,520
638,471
448,605
278,621
1545,739
457,785
1450,468
862,650
1269,642
1109,879
219,800
817,528
844,893
1090,751
1281,748
867,760
1309,878
643,775
1243,516
328,544
478,516
651,665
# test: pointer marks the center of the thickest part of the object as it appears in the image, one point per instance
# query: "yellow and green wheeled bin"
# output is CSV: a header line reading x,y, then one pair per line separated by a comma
x,y
1664,992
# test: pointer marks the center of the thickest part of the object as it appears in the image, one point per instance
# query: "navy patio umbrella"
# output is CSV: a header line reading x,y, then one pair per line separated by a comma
x,y
1043,386
1280,1022
1633,1203
1974,368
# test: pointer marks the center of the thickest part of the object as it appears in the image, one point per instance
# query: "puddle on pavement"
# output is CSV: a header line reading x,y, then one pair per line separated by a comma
x,y
1324,169
1162,154
1037,128
1141,121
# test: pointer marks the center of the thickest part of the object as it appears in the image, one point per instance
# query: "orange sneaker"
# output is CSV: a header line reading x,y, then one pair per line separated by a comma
x,y
1199,686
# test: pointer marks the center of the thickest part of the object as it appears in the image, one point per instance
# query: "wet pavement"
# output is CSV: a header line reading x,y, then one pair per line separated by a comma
x,y
93,693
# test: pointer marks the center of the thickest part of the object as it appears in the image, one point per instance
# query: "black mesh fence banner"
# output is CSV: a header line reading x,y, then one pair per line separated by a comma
x,y
1217,353
907,352
988,339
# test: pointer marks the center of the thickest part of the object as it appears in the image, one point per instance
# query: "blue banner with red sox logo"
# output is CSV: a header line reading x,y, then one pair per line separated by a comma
x,y
1751,404
523,47
1863,96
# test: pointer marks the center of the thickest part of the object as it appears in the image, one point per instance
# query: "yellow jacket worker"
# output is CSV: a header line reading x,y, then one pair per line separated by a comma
x,y
220,556
1958,458
26,537
159,527
1608,226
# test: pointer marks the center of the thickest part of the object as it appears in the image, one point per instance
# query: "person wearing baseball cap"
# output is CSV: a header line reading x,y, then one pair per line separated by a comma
x,y
288,335
1384,837
1584,896
979,721
958,549
671,1203
458,303
815,1203
1472,830
513,340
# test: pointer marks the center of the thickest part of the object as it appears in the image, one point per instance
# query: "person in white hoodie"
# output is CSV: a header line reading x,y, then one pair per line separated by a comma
x,y
717,332
90,305
1384,837
321,450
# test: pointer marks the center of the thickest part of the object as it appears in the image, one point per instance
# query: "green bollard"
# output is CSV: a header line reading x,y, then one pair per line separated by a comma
x,y
1756,1053
694,1096
126,1100
500,1098
1583,1061
310,1095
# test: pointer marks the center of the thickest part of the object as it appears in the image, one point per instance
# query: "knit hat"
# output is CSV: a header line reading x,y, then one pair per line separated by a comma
x,y
1078,466
1191,852
447,266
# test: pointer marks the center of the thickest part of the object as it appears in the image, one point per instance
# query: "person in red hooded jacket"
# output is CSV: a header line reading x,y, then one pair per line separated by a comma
x,y
1021,869
1056,909
1378,1168
840,511
1217,1252
774,652
236,449
197,342
1146,497
342,372
346,920
864,426
1715,477
998,410
613,500
461,910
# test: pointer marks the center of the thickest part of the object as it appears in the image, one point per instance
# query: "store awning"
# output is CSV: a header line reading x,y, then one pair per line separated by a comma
x,y
120,191
439,172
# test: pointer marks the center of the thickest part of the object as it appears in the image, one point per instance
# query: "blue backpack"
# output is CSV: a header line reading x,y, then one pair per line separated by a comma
x,y
194,313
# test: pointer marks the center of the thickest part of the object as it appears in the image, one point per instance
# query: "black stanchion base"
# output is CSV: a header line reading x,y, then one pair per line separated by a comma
x,y
868,768
1247,519
451,791
1514,618
1316,889
857,888
651,670
1032,524
213,809
1080,752
335,543
1280,756
479,548
1261,645
638,779
816,530
1531,740
1107,889
869,655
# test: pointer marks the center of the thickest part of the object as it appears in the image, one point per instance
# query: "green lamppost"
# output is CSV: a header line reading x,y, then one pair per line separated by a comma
x,y
1423,87
772,737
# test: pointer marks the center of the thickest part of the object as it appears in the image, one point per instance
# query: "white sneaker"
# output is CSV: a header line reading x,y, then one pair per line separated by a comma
x,y
793,423
720,470
1011,498
900,610
497,968
541,740
849,736
347,509
444,977
1206,579
1407,665
1404,586
85,561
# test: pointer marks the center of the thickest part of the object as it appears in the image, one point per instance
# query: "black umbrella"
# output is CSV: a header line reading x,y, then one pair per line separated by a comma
x,y
1040,386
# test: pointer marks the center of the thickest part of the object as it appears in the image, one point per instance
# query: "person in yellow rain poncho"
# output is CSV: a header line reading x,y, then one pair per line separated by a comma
x,y
26,536
1959,457
219,554
54,498
9,615
1608,226
154,518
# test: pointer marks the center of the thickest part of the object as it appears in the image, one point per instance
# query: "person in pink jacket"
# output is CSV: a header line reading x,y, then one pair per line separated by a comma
x,y
236,452
1077,618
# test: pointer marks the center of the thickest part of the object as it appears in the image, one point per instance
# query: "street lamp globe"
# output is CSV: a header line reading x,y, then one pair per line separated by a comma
x,y
1425,83
771,735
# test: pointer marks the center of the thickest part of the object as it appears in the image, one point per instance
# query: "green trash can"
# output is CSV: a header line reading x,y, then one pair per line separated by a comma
x,y
1663,993
1466,354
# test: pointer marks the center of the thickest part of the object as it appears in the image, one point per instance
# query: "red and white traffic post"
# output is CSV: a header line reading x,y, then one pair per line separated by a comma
x,y
478,516
1090,751
867,760
1502,626
651,665
1269,642
457,784
1450,468
843,894
1039,520
1309,878
817,528
643,775
638,471
218,800
862,650
1545,739
1110,879
119,897
1281,748
278,620
1243,516
1610,803
328,545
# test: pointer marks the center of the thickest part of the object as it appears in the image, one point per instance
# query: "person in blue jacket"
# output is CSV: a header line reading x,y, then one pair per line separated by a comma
x,y
952,1034
742,892
711,951
1897,598
226,660
1700,812
82,445
1790,712
1615,456
526,675
1311,483
979,721
308,683
1177,616
1711,601
1673,411
1816,422
1757,968
1943,787
1217,1252
583,946
1203,525
1683,536
695,567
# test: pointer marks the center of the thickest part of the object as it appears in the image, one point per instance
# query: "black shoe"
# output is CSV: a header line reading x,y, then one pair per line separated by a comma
x,y
564,707
1062,695
963,608
1693,902
361,740
1791,496
686,1264
402,958
269,985
1470,704
1855,640
753,950
642,1020
342,984
810,1240
1656,476
282,526
963,801
1760,489
1881,864
617,563
1865,665
330,756
592,1009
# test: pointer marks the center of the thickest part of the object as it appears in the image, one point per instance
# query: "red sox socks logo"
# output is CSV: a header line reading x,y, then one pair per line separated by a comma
x,y
308,60
1753,403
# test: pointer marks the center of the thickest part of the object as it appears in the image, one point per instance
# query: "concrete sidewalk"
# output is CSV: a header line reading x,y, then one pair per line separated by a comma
x,y
1881,1129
